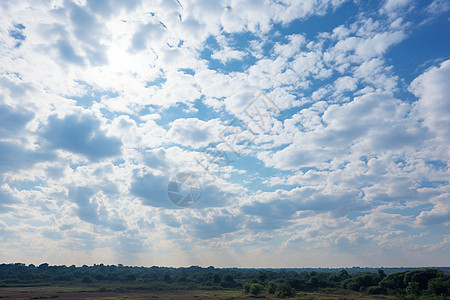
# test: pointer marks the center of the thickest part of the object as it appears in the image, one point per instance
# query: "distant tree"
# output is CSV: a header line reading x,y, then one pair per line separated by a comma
x,y
228,278
313,282
216,278
246,287
228,282
343,274
381,275
271,287
376,290
131,277
284,290
256,288
43,266
439,286
99,277
262,276
86,279
413,289
297,283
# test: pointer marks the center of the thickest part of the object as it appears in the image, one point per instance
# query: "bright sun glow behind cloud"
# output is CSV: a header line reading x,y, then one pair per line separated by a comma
x,y
318,130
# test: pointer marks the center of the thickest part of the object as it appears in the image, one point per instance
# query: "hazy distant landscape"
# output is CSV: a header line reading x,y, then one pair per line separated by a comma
x,y
122,282
277,141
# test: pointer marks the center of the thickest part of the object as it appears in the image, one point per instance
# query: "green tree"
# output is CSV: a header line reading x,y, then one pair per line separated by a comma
x,y
271,287
381,275
413,289
216,278
439,286
284,290
376,290
246,288
343,274
256,288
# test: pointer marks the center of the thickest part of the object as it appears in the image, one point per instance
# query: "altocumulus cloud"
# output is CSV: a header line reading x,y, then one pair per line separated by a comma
x,y
345,163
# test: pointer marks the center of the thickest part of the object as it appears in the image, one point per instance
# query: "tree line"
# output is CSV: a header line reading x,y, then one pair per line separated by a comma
x,y
408,284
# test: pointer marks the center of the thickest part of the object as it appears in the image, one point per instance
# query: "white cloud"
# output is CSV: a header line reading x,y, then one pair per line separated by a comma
x,y
439,214
194,132
438,7
392,5
228,54
102,102
433,106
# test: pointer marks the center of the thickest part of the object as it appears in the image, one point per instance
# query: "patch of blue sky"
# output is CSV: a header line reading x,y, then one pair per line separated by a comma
x,y
187,71
238,42
234,65
256,173
438,164
28,185
110,115
312,26
92,97
179,111
433,183
118,162
430,237
156,82
404,210
426,45
355,215
17,34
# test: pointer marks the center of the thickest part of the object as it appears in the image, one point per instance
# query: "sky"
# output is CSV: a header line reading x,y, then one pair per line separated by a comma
x,y
232,133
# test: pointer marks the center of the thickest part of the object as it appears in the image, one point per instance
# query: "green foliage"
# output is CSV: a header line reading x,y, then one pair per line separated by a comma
x,y
262,276
413,283
381,275
376,290
409,284
360,282
216,278
86,279
271,287
255,289
343,274
284,290
439,286
412,289
246,287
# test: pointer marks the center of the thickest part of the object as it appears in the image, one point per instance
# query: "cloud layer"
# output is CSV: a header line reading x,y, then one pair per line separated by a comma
x,y
313,143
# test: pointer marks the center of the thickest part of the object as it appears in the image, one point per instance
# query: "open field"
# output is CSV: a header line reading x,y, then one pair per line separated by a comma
x,y
71,292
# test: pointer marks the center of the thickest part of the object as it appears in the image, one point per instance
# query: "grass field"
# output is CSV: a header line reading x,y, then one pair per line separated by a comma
x,y
91,293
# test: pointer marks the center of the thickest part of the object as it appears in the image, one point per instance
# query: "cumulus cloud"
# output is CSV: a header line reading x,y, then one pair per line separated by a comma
x,y
80,135
102,102
440,214
228,54
195,133
432,90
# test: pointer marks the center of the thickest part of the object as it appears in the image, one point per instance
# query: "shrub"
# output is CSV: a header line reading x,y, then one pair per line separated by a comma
x,y
376,290
284,290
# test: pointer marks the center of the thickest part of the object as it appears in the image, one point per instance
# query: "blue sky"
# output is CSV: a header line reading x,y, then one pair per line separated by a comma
x,y
318,130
